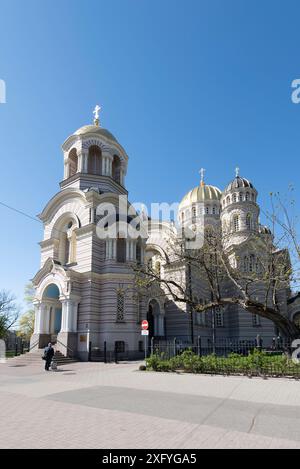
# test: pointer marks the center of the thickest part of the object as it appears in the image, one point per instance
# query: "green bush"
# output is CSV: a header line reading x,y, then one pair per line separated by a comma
x,y
256,363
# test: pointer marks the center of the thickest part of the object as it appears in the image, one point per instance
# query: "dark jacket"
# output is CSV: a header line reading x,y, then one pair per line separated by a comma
x,y
48,353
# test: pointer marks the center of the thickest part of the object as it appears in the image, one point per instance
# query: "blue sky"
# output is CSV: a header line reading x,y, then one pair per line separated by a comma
x,y
182,84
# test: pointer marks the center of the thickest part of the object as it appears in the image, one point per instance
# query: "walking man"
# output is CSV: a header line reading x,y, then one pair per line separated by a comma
x,y
48,355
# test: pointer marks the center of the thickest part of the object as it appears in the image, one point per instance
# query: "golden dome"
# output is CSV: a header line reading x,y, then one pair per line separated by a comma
x,y
201,193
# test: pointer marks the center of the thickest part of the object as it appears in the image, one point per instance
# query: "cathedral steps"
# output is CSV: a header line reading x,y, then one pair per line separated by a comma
x,y
35,359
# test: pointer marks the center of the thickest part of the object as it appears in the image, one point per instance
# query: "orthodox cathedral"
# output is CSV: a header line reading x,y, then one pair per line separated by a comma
x,y
85,287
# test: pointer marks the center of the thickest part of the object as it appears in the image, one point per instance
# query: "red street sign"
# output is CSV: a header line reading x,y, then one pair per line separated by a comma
x,y
145,325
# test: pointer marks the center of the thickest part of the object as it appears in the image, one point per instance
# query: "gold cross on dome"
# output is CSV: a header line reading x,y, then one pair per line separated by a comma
x,y
237,172
96,114
202,171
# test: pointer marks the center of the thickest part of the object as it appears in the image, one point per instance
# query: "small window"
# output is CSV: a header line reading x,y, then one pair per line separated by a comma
x,y
139,252
247,196
120,306
255,320
236,223
194,211
207,210
120,346
219,319
251,263
249,221
121,250
214,210
240,196
234,197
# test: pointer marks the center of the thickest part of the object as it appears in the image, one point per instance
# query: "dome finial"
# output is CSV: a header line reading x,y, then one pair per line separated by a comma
x,y
202,171
96,114
237,172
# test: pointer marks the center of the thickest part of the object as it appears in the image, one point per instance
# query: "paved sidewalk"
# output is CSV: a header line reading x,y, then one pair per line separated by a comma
x,y
96,405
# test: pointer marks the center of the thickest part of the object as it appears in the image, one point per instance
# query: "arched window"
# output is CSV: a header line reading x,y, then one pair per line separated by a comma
x,y
95,160
194,211
219,318
72,162
236,223
157,268
214,210
249,221
120,306
207,210
67,243
240,197
234,197
228,200
139,251
121,249
251,263
247,196
116,169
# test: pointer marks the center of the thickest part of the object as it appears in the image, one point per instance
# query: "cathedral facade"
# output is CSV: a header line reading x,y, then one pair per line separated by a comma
x,y
86,291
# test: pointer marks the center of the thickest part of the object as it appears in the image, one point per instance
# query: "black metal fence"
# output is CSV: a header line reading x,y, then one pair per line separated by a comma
x,y
117,354
203,346
17,347
221,347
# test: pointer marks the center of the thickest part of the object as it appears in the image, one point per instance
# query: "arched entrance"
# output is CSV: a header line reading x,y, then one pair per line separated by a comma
x,y
155,318
51,311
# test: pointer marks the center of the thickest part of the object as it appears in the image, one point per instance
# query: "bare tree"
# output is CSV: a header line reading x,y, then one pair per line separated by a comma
x,y
257,284
9,312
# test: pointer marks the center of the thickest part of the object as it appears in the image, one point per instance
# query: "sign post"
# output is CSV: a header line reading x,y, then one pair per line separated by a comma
x,y
145,333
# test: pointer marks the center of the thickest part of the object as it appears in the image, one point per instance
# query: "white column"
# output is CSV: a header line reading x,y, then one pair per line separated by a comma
x,y
37,318
104,160
114,248
45,319
69,315
85,162
66,320
66,170
80,168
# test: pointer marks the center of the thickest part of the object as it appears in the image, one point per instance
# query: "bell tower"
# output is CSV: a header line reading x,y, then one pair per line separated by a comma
x,y
94,158
240,211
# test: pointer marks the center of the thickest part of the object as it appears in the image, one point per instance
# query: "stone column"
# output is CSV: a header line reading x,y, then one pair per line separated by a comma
x,y
85,161
69,315
37,317
66,169
45,319
104,160
80,168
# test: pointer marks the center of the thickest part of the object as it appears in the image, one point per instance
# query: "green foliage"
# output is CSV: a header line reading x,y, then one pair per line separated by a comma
x,y
255,364
26,322
9,312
